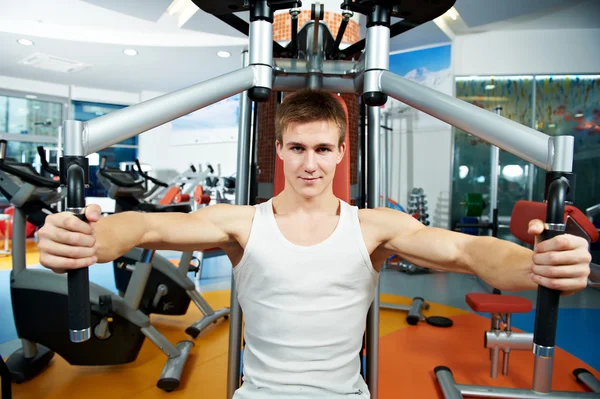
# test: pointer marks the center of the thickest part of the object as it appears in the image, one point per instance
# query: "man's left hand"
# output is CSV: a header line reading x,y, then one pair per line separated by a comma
x,y
561,263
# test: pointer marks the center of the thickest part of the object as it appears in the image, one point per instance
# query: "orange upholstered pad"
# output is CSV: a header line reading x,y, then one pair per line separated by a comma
x,y
341,180
170,195
492,303
525,211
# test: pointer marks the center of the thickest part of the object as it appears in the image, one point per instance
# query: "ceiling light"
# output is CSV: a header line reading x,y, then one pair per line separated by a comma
x,y
452,14
25,42
130,52
578,115
224,54
31,96
490,87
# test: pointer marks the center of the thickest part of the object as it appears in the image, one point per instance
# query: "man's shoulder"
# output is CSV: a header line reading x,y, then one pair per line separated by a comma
x,y
229,211
374,215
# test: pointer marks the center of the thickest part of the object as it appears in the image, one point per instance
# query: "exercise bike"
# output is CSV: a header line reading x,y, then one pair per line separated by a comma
x,y
169,290
39,297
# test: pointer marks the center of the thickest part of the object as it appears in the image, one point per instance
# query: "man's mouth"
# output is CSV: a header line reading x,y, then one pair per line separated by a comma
x,y
309,179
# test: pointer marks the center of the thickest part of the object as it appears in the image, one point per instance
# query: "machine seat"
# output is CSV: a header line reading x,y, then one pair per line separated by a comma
x,y
493,303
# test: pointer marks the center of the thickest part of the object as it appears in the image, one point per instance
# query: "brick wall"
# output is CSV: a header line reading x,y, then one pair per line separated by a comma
x,y
266,140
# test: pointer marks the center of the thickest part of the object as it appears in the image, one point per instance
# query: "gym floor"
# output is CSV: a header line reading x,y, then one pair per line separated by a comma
x,y
408,354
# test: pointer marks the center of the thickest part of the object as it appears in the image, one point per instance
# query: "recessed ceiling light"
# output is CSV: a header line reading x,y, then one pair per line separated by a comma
x,y
31,96
490,87
25,42
131,52
224,54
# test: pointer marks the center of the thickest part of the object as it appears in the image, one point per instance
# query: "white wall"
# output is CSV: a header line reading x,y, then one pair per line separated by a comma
x,y
557,51
420,157
421,147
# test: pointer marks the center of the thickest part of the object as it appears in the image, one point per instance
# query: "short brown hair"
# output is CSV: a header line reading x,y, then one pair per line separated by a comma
x,y
310,105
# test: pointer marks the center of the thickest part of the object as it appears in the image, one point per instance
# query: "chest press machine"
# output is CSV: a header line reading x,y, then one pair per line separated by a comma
x,y
362,69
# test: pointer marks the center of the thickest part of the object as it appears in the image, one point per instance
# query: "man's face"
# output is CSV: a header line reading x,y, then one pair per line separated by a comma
x,y
310,154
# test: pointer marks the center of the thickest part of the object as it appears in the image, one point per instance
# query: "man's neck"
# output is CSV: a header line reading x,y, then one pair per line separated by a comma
x,y
289,202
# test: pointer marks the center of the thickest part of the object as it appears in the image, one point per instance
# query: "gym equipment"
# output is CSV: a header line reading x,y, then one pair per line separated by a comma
x,y
414,311
500,337
6,225
184,183
320,63
39,297
5,388
168,289
594,277
417,206
474,204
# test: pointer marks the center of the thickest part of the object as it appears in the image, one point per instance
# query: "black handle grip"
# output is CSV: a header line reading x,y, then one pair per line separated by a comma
x,y
546,315
78,280
193,168
79,294
45,165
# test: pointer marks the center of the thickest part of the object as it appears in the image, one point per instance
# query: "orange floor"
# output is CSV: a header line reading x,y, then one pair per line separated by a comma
x,y
408,354
32,256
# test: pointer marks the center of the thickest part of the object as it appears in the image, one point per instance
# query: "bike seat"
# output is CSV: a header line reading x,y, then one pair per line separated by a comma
x,y
154,208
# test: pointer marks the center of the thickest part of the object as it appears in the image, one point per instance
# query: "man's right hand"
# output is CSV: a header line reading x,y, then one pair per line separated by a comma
x,y
66,242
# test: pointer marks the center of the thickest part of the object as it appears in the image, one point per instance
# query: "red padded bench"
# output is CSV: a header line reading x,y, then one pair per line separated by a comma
x,y
492,303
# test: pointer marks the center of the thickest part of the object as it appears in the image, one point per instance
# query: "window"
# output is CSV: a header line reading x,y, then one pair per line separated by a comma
x,y
26,123
28,116
570,105
124,151
511,97
555,105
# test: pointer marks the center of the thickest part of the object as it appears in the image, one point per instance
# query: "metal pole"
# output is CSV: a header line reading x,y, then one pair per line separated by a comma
x,y
385,130
530,176
116,126
373,189
495,166
241,198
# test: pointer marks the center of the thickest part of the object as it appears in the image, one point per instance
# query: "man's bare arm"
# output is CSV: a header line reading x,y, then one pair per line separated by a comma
x,y
502,264
66,242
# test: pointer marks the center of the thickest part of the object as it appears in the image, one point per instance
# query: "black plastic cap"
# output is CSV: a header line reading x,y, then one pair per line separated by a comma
x,y
578,372
168,384
259,94
412,320
374,99
442,368
192,332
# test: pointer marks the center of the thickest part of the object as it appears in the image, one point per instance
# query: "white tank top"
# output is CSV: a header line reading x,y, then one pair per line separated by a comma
x,y
305,310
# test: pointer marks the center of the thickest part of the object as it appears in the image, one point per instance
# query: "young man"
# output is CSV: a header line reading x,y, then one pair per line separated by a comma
x,y
305,263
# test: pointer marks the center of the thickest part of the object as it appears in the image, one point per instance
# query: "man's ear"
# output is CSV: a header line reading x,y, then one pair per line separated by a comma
x,y
279,148
342,152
